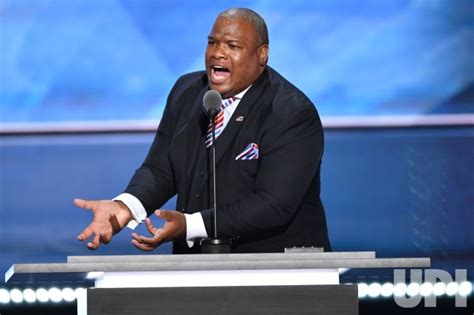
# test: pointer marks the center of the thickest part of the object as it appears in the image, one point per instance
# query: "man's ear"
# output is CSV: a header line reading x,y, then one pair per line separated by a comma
x,y
263,55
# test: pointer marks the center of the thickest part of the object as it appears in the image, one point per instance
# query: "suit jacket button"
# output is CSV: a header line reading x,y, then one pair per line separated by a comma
x,y
201,173
198,196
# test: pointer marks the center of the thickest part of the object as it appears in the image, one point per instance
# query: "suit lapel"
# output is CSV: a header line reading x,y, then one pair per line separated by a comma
x,y
195,126
196,129
243,110
233,126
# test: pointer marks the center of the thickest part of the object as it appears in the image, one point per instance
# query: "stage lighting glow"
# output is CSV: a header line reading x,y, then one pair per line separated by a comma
x,y
426,289
29,295
42,295
94,275
400,289
79,291
452,289
363,289
465,288
374,289
68,294
16,296
55,295
4,296
413,289
387,289
439,288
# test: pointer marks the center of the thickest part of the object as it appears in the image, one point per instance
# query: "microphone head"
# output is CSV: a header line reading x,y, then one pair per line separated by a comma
x,y
211,102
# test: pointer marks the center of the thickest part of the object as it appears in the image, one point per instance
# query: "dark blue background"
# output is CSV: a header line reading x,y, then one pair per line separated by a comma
x,y
401,192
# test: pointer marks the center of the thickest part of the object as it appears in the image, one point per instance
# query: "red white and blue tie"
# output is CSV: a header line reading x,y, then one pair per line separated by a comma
x,y
219,121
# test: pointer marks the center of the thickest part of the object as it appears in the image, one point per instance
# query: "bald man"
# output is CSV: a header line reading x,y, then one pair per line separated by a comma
x,y
269,145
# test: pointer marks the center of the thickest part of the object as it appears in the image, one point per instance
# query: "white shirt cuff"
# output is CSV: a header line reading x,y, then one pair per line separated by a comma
x,y
136,208
195,228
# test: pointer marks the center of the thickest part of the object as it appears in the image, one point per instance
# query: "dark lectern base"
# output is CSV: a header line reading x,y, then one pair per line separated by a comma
x,y
314,299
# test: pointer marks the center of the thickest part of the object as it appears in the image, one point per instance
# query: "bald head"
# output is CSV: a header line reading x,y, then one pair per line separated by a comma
x,y
253,18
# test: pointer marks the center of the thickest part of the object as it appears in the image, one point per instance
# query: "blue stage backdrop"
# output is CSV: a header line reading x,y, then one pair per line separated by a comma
x,y
117,59
401,192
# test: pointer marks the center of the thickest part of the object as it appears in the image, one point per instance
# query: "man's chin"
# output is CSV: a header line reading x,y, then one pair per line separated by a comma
x,y
222,89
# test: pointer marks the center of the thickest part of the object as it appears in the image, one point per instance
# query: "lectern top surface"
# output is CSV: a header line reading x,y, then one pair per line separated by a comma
x,y
77,266
295,256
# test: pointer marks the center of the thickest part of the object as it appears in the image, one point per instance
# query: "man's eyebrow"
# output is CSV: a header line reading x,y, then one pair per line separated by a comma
x,y
226,39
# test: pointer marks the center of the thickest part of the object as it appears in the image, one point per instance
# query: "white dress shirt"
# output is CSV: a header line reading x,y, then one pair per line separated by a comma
x,y
195,228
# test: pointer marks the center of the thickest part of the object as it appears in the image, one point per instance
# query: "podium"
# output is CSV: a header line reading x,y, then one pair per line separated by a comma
x,y
267,283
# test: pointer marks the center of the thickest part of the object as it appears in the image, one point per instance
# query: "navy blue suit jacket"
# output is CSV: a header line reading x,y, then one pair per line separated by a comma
x,y
266,204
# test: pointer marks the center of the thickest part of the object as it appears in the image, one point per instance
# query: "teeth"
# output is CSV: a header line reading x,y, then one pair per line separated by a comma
x,y
219,68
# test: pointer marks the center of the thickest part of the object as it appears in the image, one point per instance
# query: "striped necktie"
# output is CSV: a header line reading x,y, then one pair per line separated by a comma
x,y
219,121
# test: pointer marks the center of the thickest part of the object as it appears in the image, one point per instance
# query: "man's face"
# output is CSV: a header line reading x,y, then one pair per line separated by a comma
x,y
234,58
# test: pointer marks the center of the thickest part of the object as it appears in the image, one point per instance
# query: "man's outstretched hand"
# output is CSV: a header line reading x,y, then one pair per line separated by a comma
x,y
109,218
174,228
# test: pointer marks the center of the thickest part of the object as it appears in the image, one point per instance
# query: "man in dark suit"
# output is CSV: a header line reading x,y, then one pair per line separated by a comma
x,y
269,147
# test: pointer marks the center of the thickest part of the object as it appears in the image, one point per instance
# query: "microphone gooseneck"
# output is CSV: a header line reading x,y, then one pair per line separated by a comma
x,y
211,104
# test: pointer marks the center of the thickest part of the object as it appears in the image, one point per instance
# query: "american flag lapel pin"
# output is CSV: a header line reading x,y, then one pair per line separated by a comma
x,y
240,118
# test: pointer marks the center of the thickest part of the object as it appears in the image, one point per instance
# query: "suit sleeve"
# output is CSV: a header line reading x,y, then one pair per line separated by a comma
x,y
290,157
153,183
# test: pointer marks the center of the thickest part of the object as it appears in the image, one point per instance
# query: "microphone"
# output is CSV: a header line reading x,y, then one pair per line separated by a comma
x,y
211,103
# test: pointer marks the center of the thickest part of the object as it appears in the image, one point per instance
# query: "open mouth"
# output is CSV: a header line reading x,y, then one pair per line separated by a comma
x,y
219,74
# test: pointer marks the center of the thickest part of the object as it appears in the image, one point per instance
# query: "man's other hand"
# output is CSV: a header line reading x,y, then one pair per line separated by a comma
x,y
174,228
109,218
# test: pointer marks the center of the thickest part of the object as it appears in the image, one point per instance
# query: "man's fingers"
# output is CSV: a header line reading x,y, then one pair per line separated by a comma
x,y
160,235
165,214
95,243
85,204
105,238
155,241
104,224
150,227
91,246
85,234
136,237
142,246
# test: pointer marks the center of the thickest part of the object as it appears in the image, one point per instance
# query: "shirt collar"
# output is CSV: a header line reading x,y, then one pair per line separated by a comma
x,y
241,94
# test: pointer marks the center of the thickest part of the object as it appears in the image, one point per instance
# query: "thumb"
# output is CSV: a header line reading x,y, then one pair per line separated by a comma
x,y
164,214
85,204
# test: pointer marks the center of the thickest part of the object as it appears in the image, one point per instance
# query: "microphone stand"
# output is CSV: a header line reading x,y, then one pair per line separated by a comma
x,y
213,164
214,245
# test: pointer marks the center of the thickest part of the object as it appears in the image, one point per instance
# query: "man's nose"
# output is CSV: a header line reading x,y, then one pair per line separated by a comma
x,y
218,52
